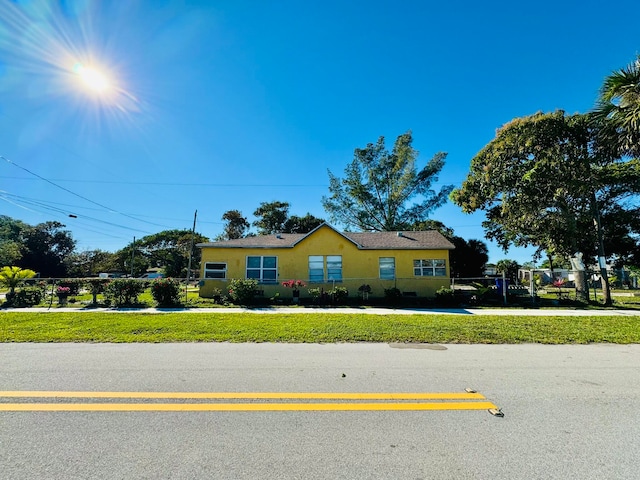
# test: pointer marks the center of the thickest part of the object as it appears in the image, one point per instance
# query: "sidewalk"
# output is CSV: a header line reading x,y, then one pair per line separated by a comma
x,y
520,312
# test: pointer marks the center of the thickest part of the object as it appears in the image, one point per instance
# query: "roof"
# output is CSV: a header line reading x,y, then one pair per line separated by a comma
x,y
406,240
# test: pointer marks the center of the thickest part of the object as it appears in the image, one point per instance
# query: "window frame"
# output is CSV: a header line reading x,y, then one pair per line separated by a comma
x,y
207,270
261,269
381,269
316,277
330,267
430,267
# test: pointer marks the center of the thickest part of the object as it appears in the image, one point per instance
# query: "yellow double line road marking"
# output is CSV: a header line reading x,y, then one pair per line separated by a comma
x,y
352,401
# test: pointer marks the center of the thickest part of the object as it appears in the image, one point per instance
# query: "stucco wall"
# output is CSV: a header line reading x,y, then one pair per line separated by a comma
x,y
358,266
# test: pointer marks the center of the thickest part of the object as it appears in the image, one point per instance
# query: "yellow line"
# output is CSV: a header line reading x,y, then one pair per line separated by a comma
x,y
247,395
228,407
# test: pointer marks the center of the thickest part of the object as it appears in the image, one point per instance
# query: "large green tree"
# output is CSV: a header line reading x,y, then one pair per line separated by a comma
x,y
385,191
236,225
271,217
509,268
296,224
469,258
45,248
618,109
168,250
545,181
90,263
11,240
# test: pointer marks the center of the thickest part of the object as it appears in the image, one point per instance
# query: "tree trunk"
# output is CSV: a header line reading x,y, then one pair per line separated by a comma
x,y
606,291
582,286
580,278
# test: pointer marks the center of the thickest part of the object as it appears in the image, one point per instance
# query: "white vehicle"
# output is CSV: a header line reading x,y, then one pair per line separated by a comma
x,y
153,275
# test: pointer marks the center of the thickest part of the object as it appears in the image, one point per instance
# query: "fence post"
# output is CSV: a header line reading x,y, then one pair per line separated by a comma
x,y
504,287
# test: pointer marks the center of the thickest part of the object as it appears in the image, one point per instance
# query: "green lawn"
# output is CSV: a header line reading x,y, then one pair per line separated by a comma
x,y
312,328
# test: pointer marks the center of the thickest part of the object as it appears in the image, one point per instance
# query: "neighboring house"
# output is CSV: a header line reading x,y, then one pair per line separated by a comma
x,y
490,270
417,263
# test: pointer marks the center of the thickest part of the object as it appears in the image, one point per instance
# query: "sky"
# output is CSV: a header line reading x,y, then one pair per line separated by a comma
x,y
219,105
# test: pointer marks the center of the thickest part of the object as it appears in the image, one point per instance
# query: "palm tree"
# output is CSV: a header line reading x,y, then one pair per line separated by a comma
x,y
11,277
617,109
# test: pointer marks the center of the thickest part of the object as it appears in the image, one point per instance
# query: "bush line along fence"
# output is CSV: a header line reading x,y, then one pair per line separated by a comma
x,y
166,292
170,292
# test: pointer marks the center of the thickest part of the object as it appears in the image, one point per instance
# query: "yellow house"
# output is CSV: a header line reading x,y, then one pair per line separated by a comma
x,y
416,263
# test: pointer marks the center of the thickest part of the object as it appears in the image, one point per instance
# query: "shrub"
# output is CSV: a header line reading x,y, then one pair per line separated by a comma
x,y
124,291
242,292
97,286
72,284
339,294
315,293
445,297
393,294
216,295
12,277
166,292
25,297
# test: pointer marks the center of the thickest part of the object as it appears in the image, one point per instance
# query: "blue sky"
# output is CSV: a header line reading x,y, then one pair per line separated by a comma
x,y
220,105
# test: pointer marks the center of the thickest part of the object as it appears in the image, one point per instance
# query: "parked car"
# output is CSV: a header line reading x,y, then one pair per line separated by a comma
x,y
152,275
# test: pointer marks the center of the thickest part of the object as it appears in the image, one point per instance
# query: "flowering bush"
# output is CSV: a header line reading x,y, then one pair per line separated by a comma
x,y
63,291
166,292
124,291
242,291
558,282
338,294
295,284
73,284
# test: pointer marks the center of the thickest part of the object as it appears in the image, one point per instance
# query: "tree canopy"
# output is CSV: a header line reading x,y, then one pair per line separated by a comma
x,y
617,110
45,248
546,181
236,225
385,191
168,250
271,217
296,224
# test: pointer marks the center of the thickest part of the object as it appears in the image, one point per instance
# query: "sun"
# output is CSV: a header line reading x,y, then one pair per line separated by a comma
x,y
92,78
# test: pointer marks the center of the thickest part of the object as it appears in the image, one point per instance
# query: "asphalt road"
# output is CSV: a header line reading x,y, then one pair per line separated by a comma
x,y
570,412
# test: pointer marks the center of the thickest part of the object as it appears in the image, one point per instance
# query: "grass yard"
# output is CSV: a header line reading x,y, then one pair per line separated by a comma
x,y
312,328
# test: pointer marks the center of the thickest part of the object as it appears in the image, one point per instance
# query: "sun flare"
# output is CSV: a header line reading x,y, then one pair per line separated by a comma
x,y
92,79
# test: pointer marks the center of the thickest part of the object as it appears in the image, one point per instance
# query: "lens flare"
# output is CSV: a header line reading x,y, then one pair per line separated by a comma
x,y
92,78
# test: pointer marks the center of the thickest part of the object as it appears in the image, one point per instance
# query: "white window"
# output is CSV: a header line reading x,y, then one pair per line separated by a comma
x,y
263,269
387,268
316,269
215,270
430,268
318,264
334,268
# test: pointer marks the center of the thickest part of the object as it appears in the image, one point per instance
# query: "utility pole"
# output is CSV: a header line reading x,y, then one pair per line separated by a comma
x,y
133,253
193,232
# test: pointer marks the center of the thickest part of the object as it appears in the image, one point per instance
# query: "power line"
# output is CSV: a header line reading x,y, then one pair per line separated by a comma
x,y
76,194
60,211
51,205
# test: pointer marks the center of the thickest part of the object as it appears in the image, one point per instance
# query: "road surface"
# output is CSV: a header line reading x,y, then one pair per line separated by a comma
x,y
570,412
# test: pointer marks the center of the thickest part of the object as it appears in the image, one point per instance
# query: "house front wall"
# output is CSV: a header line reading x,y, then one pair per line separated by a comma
x,y
358,267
